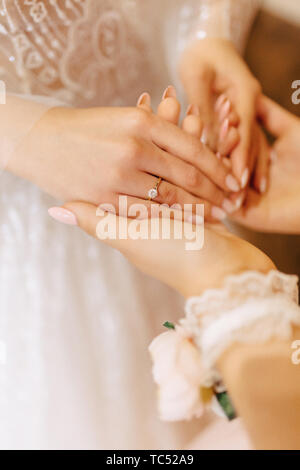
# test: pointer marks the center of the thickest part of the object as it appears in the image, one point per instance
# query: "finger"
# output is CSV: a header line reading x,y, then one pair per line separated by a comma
x,y
85,214
219,102
200,92
233,119
169,107
273,117
228,139
226,110
188,148
261,172
144,102
192,123
180,174
89,219
240,156
171,195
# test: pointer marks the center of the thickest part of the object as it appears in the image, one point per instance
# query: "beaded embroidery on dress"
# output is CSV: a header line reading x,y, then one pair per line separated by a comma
x,y
75,50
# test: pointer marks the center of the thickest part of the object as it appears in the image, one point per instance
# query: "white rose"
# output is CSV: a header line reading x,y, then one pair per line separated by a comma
x,y
177,372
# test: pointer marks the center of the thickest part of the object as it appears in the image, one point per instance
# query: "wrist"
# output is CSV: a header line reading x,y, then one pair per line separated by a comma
x,y
30,152
238,258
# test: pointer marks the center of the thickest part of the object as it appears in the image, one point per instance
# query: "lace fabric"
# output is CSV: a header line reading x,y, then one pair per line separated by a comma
x,y
77,50
74,50
250,308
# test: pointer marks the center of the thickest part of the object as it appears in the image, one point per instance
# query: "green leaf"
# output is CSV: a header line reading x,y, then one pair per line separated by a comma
x,y
226,405
169,325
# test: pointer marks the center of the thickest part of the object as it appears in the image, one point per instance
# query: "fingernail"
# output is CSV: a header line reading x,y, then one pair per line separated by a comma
x,y
218,155
228,206
219,102
218,213
193,109
224,110
263,185
273,156
204,138
194,219
244,178
145,98
239,202
169,92
62,215
224,129
232,183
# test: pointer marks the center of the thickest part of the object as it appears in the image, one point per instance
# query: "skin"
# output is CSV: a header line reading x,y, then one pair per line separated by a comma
x,y
279,209
94,155
270,410
212,71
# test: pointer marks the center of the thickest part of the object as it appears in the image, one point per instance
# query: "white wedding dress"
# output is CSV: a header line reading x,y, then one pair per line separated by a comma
x,y
76,318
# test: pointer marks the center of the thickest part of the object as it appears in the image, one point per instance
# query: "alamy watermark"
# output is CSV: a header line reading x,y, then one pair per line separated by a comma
x,y
296,354
158,222
296,93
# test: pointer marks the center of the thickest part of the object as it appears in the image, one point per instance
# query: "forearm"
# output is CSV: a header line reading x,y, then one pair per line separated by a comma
x,y
264,385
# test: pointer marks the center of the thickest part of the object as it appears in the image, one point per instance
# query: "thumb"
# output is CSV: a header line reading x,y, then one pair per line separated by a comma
x,y
95,222
273,117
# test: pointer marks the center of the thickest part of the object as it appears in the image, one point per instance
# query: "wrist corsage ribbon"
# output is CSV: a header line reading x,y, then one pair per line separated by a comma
x,y
251,307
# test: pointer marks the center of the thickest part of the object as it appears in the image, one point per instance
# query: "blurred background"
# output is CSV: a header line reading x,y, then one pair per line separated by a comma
x,y
273,56
273,50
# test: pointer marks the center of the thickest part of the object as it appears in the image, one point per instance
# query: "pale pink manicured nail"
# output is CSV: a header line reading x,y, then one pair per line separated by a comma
x,y
145,98
194,219
239,202
245,178
224,129
232,183
263,185
219,102
193,109
228,206
169,92
218,155
224,111
273,156
218,213
204,136
62,215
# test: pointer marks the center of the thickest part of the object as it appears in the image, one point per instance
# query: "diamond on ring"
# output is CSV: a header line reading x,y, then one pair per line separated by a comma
x,y
153,192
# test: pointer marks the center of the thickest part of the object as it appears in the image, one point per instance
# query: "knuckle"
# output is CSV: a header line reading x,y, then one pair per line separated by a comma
x,y
217,197
132,150
169,195
193,178
140,119
118,177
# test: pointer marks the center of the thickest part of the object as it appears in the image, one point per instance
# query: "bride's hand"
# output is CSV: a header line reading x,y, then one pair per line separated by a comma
x,y
189,272
213,68
94,155
278,210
